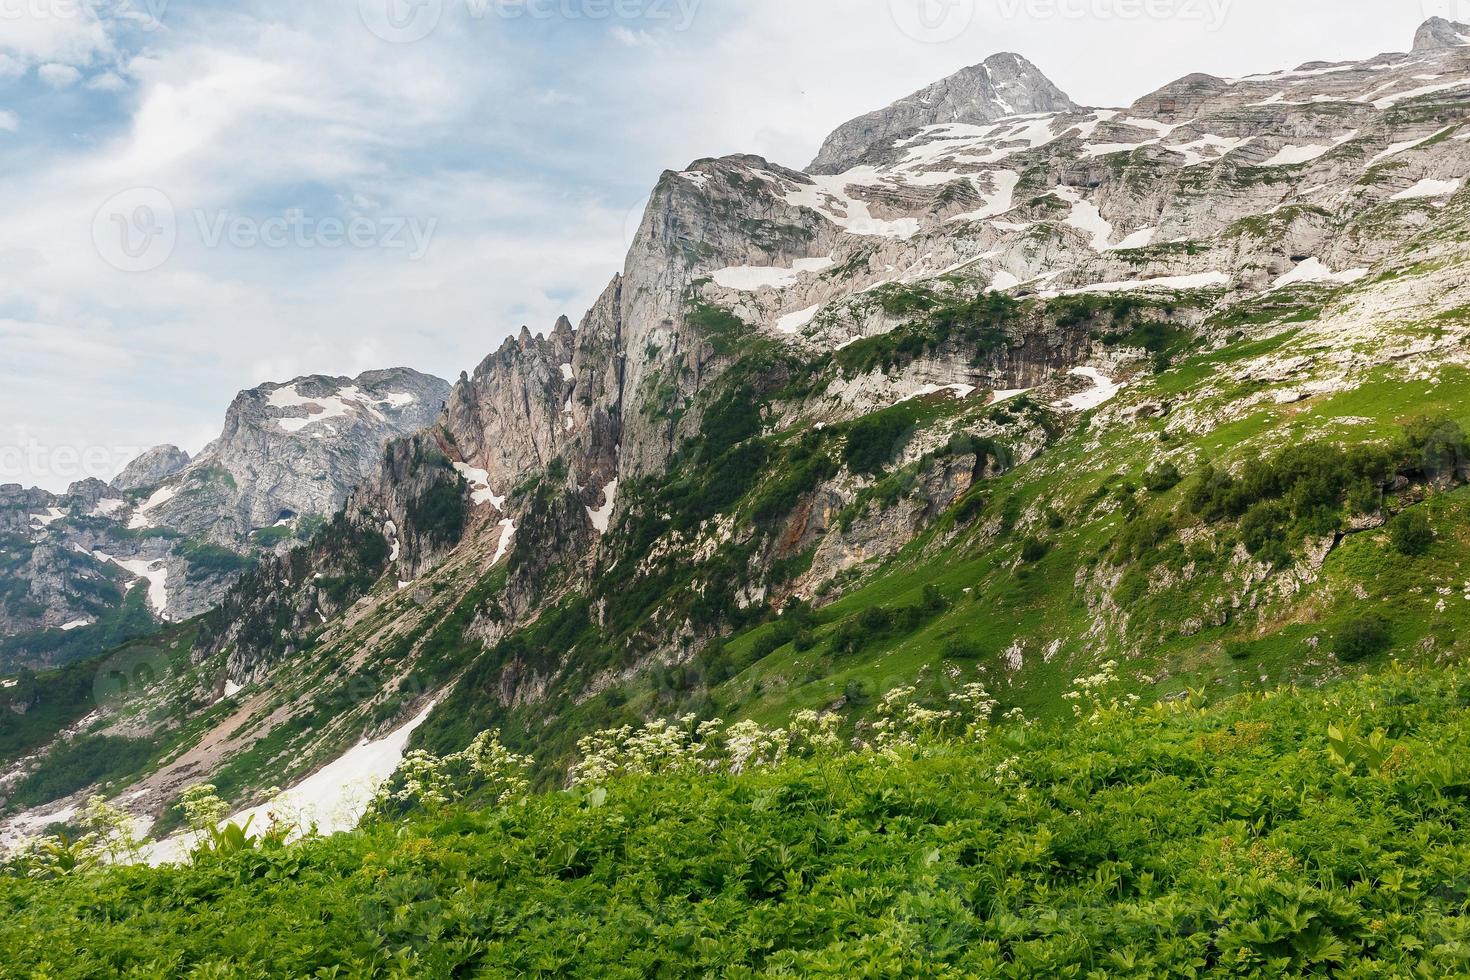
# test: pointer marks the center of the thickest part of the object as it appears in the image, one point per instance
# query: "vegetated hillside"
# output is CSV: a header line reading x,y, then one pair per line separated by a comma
x,y
1181,386
1295,833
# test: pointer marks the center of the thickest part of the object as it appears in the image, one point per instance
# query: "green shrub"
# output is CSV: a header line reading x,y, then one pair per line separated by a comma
x,y
1033,550
1362,637
874,441
1162,478
1411,533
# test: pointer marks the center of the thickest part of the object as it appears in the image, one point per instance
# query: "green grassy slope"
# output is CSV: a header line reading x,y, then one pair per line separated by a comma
x,y
1176,841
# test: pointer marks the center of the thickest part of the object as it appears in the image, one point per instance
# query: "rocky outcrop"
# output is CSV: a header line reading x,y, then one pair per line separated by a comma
x,y
289,452
151,469
1003,85
1437,34
182,531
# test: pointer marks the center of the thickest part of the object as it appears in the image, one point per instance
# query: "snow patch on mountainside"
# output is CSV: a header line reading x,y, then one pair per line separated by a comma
x,y
1313,270
161,496
158,578
1429,188
507,534
479,481
1200,280
52,515
1104,389
332,800
350,400
792,322
602,516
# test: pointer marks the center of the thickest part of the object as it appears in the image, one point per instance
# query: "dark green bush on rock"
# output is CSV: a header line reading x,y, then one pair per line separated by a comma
x,y
1411,534
1363,637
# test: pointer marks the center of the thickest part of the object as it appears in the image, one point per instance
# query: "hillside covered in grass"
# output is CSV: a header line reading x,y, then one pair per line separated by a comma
x,y
1286,833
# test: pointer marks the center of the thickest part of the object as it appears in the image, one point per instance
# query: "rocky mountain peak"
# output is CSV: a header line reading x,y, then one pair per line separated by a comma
x,y
151,468
1437,34
1003,85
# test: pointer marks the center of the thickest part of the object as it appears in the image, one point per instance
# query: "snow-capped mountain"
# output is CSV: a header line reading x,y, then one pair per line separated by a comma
x,y
181,529
942,353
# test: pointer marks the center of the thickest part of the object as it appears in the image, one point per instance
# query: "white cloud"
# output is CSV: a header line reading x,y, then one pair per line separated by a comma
x,y
9,121
298,105
108,81
59,75
67,33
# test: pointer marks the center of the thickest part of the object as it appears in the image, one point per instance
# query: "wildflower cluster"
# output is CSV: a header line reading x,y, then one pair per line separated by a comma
x,y
1098,695
486,770
111,838
659,746
663,746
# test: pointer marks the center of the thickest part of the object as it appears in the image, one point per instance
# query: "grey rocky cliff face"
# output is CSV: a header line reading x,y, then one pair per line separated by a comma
x,y
151,469
1031,195
292,451
179,532
1003,85
1437,34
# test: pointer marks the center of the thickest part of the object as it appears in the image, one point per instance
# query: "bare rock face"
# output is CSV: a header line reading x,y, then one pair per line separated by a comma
x,y
1003,85
179,531
151,469
291,451
1437,33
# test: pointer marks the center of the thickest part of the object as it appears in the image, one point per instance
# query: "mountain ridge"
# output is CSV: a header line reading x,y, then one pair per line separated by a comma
x,y
932,417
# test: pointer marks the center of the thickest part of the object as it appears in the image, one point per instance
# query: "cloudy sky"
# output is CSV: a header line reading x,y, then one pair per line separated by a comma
x,y
199,196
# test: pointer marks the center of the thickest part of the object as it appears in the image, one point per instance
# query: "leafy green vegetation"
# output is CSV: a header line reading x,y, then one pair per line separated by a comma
x,y
1305,833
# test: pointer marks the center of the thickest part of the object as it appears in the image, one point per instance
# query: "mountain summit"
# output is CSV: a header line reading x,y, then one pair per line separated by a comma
x,y
1437,34
1003,85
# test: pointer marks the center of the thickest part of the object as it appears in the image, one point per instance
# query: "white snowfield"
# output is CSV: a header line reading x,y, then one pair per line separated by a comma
x,y
108,507
140,518
1104,389
76,624
479,481
1292,155
1314,270
1429,188
52,515
156,575
792,322
507,535
959,390
332,800
749,279
348,401
602,516
1200,280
